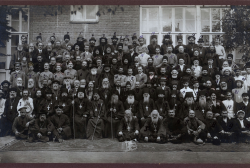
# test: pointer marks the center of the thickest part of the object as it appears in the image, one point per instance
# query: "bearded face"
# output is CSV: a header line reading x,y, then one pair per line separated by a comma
x,y
30,83
105,84
5,87
146,97
223,86
55,86
82,83
19,82
131,99
155,117
42,117
67,82
189,101
128,116
209,115
64,95
90,87
12,94
48,96
96,97
38,94
93,71
202,102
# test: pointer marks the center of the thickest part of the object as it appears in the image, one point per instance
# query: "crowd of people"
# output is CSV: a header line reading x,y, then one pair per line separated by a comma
x,y
126,90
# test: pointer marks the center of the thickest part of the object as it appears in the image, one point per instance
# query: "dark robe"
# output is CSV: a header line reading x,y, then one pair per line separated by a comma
x,y
226,126
37,107
146,109
95,79
82,107
167,92
128,129
185,57
190,49
39,67
67,107
217,108
52,68
82,74
20,126
212,127
162,107
105,95
63,122
138,94
95,128
184,110
151,49
133,107
174,126
48,106
114,117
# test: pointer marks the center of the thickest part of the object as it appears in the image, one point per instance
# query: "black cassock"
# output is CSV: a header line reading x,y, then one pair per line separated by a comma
x,y
128,129
63,122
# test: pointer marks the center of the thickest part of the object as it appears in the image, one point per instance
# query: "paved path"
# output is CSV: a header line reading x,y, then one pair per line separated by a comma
x,y
123,157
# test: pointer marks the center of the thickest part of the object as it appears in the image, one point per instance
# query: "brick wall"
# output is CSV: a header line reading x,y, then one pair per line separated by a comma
x,y
125,22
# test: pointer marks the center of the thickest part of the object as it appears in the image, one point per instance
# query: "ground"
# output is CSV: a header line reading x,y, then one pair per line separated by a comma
x,y
112,151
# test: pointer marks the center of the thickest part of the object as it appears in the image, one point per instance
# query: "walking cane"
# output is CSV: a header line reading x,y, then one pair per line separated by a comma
x,y
74,116
96,122
111,124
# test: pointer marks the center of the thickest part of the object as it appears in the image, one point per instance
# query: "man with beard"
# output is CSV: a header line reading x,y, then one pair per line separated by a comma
x,y
230,105
244,105
92,76
114,40
106,74
47,53
59,51
223,89
161,104
10,110
2,107
163,73
184,56
20,86
82,73
141,77
153,129
120,76
188,105
92,42
152,90
215,105
61,124
153,45
226,75
174,103
17,74
171,57
52,65
31,88
180,43
24,42
201,105
82,107
39,65
86,55
166,42
134,43
187,76
132,54
146,105
76,87
38,40
204,78
201,50
125,48
107,58
213,129
58,75
191,46
89,91
36,101
195,128
65,101
5,86
17,57
79,43
77,52
128,128
174,77
175,129
95,127
42,129
45,75
31,74
164,88
103,43
152,77
67,83
120,53
129,78
211,53
32,53
131,104
241,128
21,124
137,90
100,67
66,42
55,90
113,116
47,103
231,63
220,51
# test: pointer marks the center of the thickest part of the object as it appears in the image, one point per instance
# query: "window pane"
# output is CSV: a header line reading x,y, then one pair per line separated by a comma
x,y
25,18
167,19
153,19
206,40
15,14
190,13
25,26
190,25
144,26
178,19
14,40
144,14
205,14
90,11
205,26
15,25
215,26
215,14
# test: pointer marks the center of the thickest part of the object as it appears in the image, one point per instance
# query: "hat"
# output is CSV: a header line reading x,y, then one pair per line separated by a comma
x,y
126,37
81,90
55,81
92,38
114,36
22,108
95,91
239,80
204,68
66,36
195,81
130,46
17,62
217,73
120,44
189,94
13,89
93,66
195,58
103,37
200,40
57,106
184,80
48,92
240,111
64,90
244,94
189,37
5,81
202,93
145,90
39,36
210,57
167,36
106,65
134,37
130,92
179,37
151,69
163,79
226,68
115,92
53,35
98,58
141,37
42,111
223,80
153,36
230,55
80,36
160,91
174,82
174,92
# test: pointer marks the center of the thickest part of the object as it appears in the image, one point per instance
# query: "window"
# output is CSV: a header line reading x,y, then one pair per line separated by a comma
x,y
83,13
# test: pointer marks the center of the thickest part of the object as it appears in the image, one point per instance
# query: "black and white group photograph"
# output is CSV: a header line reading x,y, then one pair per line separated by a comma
x,y
124,83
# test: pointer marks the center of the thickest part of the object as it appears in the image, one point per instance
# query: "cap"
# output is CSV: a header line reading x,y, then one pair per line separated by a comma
x,y
189,94
106,65
130,92
191,37
48,92
42,111
80,36
57,106
64,90
92,38
179,37
240,111
22,109
200,40
230,55
160,91
5,81
114,36
153,36
66,36
103,37
244,94
55,81
145,90
134,37
13,89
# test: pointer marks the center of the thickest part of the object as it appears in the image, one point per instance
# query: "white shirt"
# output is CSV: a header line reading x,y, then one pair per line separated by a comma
x,y
220,51
246,103
225,120
242,123
240,77
229,104
181,66
24,103
2,105
143,59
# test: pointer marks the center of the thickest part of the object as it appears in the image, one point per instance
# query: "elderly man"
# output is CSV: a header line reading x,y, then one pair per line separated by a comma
x,y
45,75
61,124
129,128
184,56
153,129
5,86
26,102
17,56
113,116
195,128
31,88
17,74
131,104
42,128
21,124
92,76
95,127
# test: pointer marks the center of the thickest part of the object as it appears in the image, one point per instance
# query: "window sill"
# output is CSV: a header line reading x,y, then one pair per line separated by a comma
x,y
77,22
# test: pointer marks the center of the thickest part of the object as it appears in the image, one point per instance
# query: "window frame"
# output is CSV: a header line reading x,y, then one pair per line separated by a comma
x,y
96,20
